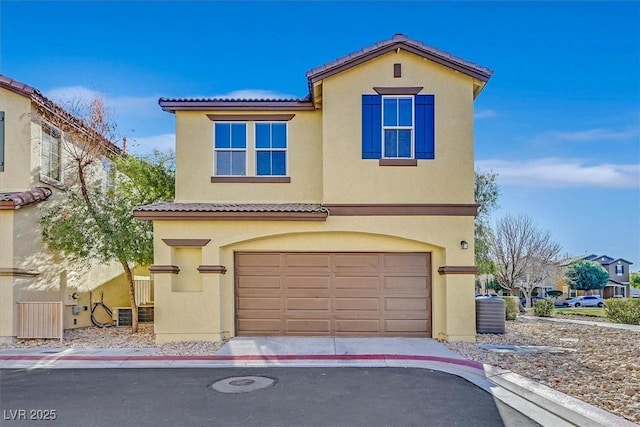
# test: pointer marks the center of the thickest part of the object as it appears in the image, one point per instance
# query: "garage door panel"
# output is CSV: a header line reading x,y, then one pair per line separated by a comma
x,y
356,260
306,261
261,314
298,282
255,293
417,325
260,282
408,282
341,282
260,325
371,326
324,294
308,325
250,303
403,304
254,260
308,304
405,260
357,304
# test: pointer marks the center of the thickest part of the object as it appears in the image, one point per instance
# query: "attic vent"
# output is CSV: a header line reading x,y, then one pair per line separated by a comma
x,y
397,70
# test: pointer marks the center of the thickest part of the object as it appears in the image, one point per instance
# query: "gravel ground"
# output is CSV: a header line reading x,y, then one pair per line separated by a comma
x,y
94,337
604,370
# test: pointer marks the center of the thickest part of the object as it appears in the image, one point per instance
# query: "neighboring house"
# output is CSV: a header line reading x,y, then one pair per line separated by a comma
x,y
619,273
349,212
33,171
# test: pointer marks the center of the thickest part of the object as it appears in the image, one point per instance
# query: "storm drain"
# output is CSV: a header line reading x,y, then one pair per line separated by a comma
x,y
242,384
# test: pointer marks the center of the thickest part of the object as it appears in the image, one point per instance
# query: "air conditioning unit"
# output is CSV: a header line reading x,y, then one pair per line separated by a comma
x,y
122,315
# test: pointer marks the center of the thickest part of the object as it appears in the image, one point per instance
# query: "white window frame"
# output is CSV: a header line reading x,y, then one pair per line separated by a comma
x,y
52,131
619,270
285,149
245,149
412,128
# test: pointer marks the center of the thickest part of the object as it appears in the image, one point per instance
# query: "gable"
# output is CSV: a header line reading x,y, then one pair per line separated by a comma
x,y
397,43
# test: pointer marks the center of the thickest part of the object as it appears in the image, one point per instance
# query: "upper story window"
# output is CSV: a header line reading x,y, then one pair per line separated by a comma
x,y
250,147
398,127
51,153
230,149
271,148
619,270
109,171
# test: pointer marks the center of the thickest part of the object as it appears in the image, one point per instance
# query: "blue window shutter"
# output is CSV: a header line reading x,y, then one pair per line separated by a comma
x,y
425,118
1,141
371,126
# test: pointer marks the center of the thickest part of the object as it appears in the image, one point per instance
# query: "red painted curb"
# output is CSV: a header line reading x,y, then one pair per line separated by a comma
x,y
275,358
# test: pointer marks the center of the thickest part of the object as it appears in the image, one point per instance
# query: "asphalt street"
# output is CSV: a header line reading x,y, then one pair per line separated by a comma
x,y
293,397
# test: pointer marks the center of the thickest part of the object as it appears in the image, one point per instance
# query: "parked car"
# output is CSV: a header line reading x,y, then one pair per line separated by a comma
x,y
493,295
585,301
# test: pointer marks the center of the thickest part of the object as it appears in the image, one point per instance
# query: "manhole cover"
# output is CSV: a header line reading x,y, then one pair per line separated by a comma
x,y
242,384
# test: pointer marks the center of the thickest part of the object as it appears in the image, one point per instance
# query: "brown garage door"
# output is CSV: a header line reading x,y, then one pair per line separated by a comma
x,y
350,294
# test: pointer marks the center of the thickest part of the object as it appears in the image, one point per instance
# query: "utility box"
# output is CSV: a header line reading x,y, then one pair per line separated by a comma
x,y
490,315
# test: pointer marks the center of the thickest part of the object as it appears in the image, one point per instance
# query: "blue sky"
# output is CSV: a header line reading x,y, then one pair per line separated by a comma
x,y
559,120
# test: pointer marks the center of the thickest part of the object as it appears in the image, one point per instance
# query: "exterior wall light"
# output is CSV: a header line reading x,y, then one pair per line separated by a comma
x,y
464,245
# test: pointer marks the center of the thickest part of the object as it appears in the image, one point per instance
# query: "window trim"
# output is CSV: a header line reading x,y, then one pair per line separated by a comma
x,y
55,134
271,149
412,128
231,149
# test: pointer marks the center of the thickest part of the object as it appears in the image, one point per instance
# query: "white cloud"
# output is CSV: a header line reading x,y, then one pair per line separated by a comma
x,y
556,172
140,106
253,94
73,93
147,144
589,135
484,114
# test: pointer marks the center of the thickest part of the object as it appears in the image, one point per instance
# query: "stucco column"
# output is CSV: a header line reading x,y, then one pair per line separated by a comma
x,y
6,309
461,315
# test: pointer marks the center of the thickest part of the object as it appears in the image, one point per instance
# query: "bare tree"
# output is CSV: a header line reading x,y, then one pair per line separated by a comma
x,y
94,221
524,255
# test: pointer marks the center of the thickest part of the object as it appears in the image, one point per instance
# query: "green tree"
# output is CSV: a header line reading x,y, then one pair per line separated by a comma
x,y
93,219
486,196
586,276
634,280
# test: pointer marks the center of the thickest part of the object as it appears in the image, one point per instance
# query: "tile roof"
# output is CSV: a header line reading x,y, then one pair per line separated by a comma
x,y
233,207
17,199
398,41
173,104
231,100
403,42
595,258
45,103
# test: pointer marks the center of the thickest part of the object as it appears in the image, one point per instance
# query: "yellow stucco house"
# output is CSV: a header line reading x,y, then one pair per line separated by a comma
x,y
347,213
33,171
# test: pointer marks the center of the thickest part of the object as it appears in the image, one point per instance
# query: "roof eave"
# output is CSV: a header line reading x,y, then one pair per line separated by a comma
x,y
172,106
481,74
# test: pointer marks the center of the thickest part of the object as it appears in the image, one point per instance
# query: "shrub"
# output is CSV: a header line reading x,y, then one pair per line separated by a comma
x,y
543,308
623,310
513,307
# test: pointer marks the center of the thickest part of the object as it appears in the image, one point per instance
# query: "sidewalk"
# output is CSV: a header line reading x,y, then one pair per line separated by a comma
x,y
542,404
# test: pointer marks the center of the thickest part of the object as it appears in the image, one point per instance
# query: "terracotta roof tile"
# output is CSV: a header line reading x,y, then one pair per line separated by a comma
x,y
233,207
230,100
17,199
398,41
45,103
